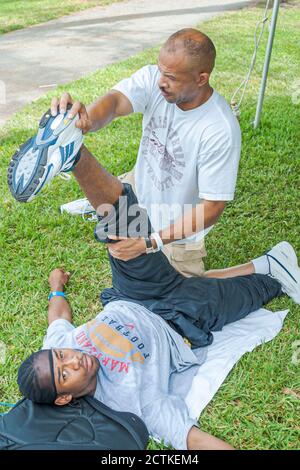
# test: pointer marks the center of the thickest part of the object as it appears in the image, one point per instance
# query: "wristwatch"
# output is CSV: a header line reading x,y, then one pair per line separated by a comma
x,y
56,293
149,246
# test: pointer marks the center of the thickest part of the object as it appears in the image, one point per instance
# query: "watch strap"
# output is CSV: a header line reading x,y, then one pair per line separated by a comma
x,y
56,293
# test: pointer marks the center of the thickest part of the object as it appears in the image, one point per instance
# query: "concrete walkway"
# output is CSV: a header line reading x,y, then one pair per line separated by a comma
x,y
36,59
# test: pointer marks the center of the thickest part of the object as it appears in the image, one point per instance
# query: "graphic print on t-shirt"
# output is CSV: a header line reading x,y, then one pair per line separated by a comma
x,y
164,165
116,345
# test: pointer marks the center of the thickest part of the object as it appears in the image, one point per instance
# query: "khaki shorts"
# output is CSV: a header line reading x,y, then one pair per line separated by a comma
x,y
186,258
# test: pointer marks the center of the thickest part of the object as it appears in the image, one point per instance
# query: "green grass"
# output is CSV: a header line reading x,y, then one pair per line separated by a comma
x,y
250,410
18,14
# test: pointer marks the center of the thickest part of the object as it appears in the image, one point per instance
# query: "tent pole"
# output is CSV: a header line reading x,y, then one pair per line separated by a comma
x,y
266,64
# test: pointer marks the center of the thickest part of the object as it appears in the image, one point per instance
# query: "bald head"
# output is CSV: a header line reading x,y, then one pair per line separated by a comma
x,y
196,45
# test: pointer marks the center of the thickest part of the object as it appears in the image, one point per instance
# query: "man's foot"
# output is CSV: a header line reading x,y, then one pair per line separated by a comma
x,y
284,268
52,151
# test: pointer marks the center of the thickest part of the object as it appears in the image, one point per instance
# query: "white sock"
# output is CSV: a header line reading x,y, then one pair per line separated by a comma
x,y
261,265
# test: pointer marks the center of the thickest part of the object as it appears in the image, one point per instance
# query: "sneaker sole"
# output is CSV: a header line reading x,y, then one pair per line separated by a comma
x,y
39,148
23,193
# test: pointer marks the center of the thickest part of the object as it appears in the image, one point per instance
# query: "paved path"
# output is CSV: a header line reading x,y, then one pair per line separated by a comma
x,y
35,59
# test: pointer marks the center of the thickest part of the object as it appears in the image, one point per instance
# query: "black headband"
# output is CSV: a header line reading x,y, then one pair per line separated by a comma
x,y
36,377
52,369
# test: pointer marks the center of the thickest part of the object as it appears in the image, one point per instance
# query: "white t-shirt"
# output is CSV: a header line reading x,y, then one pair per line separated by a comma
x,y
184,156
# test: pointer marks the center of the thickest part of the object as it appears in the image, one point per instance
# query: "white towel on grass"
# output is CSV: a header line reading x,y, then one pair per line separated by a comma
x,y
228,347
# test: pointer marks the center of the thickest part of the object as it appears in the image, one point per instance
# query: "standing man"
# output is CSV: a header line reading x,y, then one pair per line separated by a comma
x,y
189,153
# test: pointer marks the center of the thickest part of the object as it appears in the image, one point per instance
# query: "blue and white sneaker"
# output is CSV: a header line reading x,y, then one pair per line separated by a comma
x,y
284,268
52,151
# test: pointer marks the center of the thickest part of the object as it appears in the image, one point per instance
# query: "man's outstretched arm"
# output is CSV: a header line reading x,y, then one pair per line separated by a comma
x,y
199,218
98,114
167,418
200,440
58,306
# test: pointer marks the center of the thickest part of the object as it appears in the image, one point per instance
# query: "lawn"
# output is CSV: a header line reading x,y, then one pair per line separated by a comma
x,y
256,407
18,14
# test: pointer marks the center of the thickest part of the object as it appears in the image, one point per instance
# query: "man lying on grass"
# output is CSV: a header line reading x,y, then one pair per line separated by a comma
x,y
132,356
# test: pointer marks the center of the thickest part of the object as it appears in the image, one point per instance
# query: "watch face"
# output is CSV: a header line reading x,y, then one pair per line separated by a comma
x,y
148,243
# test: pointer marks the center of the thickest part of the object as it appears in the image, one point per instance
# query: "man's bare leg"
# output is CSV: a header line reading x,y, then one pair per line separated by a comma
x,y
234,271
99,186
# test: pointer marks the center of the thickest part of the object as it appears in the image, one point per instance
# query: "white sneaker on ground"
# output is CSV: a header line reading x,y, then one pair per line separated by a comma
x,y
51,152
284,268
80,207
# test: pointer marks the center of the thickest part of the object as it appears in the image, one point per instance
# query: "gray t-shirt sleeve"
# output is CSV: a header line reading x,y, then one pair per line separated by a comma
x,y
167,419
59,335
